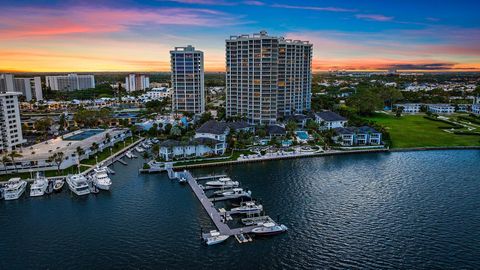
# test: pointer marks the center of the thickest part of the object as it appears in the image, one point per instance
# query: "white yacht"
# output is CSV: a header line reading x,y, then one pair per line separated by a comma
x,y
14,189
247,208
130,155
139,149
270,228
224,182
38,187
236,191
101,179
215,238
78,184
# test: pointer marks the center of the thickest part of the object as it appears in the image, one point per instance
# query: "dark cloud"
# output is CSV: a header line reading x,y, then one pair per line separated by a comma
x,y
427,66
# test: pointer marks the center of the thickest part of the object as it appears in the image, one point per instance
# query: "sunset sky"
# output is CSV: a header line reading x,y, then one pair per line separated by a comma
x,y
124,35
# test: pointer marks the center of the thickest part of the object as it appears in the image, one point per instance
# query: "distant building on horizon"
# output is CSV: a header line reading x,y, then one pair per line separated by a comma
x,y
7,83
70,82
137,82
267,77
187,80
31,88
10,123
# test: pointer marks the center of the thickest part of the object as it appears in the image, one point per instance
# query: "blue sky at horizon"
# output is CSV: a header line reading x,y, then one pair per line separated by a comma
x,y
130,35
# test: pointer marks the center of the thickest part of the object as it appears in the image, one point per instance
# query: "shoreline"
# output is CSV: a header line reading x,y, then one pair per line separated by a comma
x,y
333,153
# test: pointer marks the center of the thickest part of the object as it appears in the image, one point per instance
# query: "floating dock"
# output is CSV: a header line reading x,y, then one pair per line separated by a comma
x,y
218,217
209,207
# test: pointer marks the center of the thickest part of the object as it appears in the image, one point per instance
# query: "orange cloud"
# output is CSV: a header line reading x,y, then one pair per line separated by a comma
x,y
50,22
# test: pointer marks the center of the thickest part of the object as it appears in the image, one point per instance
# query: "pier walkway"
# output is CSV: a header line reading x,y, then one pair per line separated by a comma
x,y
209,207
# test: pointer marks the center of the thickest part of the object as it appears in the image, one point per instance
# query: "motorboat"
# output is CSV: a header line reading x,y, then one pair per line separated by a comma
x,y
130,155
146,145
139,149
58,185
215,238
38,187
100,178
247,208
270,228
155,141
14,188
223,182
78,184
236,192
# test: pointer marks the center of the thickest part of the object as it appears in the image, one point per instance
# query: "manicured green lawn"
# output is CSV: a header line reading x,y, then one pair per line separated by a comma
x,y
416,131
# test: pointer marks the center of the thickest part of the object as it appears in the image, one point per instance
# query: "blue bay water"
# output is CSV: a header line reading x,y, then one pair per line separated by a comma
x,y
408,210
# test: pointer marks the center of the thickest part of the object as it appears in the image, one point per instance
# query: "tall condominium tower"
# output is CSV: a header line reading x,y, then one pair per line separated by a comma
x,y
136,82
10,124
70,82
187,80
267,77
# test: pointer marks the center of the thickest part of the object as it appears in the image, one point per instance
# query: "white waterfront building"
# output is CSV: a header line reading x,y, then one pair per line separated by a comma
x,y
329,120
70,82
441,108
209,139
476,109
409,107
267,77
10,124
187,80
158,93
137,82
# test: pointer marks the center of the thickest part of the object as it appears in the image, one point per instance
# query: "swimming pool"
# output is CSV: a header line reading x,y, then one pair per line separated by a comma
x,y
302,135
84,135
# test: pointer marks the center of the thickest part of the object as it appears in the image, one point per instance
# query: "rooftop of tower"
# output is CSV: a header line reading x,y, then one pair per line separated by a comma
x,y
263,34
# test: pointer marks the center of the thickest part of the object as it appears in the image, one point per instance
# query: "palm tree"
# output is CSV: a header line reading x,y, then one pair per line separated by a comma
x,y
58,159
5,159
107,137
156,150
13,155
80,152
94,146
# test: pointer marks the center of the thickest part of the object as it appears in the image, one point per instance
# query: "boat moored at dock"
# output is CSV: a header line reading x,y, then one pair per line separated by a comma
x,y
100,178
58,185
270,228
139,149
78,184
14,189
130,155
223,182
38,187
247,208
215,238
239,192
